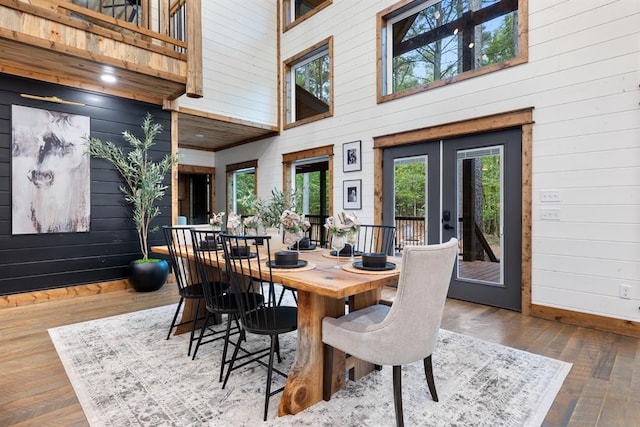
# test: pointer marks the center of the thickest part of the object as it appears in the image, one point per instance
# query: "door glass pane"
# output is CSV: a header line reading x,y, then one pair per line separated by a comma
x,y
479,212
242,191
410,200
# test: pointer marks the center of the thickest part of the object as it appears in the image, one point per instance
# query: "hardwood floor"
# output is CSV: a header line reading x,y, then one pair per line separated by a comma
x,y
602,389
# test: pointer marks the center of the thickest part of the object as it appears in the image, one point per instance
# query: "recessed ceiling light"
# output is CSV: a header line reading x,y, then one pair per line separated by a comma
x,y
108,78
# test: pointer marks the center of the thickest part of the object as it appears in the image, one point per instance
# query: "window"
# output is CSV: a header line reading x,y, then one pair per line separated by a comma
x,y
427,44
241,187
296,11
309,85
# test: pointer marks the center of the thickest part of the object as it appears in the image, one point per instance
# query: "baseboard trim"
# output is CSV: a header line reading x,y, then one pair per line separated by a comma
x,y
35,297
593,321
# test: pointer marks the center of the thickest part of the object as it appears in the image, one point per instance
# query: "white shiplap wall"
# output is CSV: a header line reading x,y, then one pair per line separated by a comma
x,y
239,51
583,79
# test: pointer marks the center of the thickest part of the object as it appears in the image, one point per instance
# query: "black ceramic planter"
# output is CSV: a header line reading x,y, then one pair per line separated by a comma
x,y
148,276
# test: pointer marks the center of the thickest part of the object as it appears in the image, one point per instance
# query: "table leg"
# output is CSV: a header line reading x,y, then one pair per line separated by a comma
x,y
304,382
189,313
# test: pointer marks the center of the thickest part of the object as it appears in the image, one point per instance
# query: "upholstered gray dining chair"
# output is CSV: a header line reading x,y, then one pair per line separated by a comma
x,y
403,333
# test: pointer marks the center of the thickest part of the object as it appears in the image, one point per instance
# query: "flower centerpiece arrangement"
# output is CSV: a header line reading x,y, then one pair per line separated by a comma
x,y
294,226
342,227
216,220
251,224
270,210
293,222
233,222
342,224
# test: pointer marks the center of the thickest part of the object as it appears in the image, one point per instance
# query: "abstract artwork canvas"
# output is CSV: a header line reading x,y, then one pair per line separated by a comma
x,y
50,172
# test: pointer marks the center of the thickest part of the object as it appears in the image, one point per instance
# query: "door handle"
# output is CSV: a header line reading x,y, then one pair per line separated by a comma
x,y
448,227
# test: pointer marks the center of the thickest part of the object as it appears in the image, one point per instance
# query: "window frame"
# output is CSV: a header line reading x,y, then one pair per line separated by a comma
x,y
231,171
289,66
388,14
288,13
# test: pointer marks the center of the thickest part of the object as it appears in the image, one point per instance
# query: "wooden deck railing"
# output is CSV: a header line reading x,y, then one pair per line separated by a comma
x,y
158,20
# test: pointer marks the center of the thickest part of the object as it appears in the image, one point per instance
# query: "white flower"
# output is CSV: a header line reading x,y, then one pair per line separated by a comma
x,y
340,224
216,218
233,221
252,222
293,222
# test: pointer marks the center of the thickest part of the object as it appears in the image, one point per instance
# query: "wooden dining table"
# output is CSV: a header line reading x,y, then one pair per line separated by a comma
x,y
321,291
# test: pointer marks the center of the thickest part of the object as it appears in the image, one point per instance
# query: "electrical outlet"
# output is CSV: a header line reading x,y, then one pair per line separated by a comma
x,y
550,214
625,291
550,195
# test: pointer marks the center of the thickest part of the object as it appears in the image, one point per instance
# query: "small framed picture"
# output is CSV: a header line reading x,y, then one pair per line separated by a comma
x,y
351,156
352,194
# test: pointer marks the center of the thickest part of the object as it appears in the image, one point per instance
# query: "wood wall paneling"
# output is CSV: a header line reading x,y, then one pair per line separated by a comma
x,y
45,261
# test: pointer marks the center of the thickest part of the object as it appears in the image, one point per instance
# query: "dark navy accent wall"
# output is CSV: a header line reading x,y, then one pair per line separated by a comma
x,y
46,261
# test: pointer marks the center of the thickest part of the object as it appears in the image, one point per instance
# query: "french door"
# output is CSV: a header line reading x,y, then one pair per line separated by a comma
x,y
469,188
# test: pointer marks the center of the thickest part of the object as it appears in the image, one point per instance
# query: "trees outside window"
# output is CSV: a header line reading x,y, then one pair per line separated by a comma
x,y
309,85
428,42
241,187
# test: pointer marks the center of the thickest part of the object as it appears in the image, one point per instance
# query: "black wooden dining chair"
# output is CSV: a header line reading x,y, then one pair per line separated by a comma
x,y
178,240
248,267
376,238
372,238
219,301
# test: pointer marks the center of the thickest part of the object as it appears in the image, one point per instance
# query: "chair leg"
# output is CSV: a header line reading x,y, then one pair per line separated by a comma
x,y
194,322
295,298
397,395
277,348
327,376
272,350
202,331
233,360
428,371
226,345
175,316
281,295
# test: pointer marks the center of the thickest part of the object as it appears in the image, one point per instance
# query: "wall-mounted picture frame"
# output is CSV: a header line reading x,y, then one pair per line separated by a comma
x,y
49,165
352,194
352,156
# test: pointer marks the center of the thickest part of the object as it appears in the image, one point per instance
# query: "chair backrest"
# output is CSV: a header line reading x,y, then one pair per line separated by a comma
x,y
376,238
248,267
208,256
178,240
413,321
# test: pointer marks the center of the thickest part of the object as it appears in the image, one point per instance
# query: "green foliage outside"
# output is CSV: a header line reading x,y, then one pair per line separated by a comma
x,y
442,58
410,182
314,192
245,193
491,195
314,78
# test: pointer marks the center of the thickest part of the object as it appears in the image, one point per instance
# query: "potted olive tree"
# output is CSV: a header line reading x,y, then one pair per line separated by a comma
x,y
142,188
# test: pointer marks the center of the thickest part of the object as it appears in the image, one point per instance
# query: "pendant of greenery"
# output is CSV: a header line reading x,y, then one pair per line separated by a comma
x,y
142,176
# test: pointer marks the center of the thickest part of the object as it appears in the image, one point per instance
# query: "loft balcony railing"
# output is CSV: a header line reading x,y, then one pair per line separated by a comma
x,y
153,47
166,17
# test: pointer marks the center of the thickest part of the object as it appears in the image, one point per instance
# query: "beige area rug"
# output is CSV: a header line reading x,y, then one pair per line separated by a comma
x,y
125,373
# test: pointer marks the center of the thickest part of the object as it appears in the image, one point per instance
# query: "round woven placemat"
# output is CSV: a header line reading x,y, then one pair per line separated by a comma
x,y
309,266
350,268
328,255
